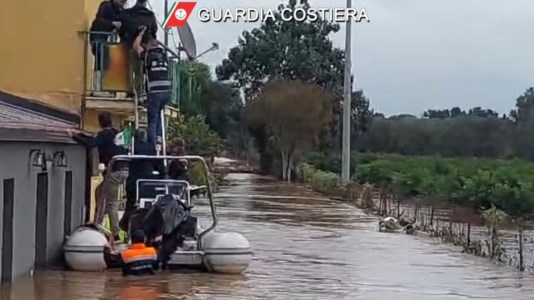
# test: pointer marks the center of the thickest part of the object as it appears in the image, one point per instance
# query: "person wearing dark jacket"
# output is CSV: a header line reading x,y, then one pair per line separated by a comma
x,y
140,169
107,199
178,168
133,19
107,20
159,86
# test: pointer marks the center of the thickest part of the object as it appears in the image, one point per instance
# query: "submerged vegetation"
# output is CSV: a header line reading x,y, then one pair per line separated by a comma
x,y
477,183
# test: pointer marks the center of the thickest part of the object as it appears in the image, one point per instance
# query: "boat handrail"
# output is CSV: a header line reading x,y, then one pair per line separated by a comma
x,y
173,157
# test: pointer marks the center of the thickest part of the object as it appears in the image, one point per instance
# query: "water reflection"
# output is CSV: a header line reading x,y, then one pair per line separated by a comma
x,y
304,248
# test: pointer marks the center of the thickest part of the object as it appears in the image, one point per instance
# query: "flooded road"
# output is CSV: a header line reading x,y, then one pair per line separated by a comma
x,y
305,247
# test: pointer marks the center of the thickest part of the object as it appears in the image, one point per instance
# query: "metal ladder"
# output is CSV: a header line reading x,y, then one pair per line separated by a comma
x,y
161,150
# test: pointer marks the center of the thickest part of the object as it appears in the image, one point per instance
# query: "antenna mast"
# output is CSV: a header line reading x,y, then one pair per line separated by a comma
x,y
166,29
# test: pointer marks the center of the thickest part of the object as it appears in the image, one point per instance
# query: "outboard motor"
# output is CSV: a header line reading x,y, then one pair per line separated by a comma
x,y
170,218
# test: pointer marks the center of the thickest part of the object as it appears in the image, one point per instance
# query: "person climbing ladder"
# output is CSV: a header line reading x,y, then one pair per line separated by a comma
x,y
159,86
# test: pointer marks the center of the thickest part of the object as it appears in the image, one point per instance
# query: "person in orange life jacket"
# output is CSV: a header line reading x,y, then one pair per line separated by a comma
x,y
159,86
138,258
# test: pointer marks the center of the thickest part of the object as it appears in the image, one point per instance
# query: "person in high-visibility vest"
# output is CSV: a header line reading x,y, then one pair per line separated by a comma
x,y
138,258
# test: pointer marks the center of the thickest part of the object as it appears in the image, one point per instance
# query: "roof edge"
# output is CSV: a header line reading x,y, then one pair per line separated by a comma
x,y
32,135
39,107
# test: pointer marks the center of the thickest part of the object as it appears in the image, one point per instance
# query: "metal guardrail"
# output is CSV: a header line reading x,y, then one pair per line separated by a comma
x,y
101,57
96,56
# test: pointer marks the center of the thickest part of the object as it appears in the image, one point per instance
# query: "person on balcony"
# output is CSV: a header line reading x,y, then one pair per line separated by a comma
x,y
132,20
106,22
159,85
107,199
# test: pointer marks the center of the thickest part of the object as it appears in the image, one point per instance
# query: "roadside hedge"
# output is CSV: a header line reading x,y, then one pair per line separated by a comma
x,y
319,180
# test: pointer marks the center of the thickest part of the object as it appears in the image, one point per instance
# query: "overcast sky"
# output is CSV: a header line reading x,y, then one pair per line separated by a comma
x,y
417,54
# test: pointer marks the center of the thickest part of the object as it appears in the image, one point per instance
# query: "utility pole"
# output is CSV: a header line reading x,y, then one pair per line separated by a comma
x,y
166,30
345,161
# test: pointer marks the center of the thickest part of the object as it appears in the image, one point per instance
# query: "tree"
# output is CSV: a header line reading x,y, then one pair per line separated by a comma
x,y
361,114
194,78
290,50
239,138
199,138
294,114
221,104
449,132
523,118
361,117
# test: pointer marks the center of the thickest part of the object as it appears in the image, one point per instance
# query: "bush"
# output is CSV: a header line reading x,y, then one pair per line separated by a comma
x,y
321,181
199,138
196,174
305,172
325,182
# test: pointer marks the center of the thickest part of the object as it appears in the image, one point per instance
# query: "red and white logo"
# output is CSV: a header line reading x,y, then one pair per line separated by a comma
x,y
179,14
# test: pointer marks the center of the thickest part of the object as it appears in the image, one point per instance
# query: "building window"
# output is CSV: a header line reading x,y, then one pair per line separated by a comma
x,y
7,229
67,216
41,220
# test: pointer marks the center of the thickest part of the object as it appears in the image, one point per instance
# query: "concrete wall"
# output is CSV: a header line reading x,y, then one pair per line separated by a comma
x,y
15,163
42,53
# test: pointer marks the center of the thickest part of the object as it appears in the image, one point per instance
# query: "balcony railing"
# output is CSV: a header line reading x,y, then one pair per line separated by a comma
x,y
109,72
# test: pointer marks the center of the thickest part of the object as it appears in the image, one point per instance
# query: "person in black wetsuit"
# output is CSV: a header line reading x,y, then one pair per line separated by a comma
x,y
107,198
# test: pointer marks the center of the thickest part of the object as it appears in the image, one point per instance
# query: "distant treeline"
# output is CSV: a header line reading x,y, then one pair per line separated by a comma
x,y
455,132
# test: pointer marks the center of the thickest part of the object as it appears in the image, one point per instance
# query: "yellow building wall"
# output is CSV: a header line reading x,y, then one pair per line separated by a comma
x,y
42,51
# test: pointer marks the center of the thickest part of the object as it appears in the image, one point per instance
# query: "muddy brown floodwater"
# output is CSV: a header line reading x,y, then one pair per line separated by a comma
x,y
305,247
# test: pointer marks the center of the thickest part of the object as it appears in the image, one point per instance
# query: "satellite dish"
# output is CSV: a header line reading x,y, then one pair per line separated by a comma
x,y
188,41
